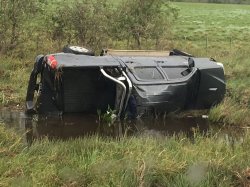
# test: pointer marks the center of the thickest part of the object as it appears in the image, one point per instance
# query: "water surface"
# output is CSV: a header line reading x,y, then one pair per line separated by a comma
x,y
78,125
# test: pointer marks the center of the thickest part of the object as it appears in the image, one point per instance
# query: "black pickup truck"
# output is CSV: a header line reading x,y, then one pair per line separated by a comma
x,y
132,83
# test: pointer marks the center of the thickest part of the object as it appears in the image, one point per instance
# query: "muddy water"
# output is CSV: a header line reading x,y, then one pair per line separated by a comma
x,y
13,119
77,125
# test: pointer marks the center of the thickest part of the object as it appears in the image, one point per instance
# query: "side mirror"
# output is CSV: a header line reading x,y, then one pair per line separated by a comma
x,y
190,63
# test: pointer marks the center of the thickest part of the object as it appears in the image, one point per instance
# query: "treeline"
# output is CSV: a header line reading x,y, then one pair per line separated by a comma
x,y
217,1
47,25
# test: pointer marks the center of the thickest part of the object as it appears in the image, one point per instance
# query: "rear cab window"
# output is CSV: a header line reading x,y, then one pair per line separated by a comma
x,y
176,72
147,73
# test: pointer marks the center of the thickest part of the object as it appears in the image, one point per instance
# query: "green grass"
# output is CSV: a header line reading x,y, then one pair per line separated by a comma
x,y
14,80
129,161
215,21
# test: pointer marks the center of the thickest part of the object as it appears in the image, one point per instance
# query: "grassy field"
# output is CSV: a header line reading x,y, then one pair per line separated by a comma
x,y
218,22
213,30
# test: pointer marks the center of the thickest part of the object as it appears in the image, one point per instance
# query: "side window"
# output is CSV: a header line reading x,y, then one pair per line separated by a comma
x,y
176,72
148,73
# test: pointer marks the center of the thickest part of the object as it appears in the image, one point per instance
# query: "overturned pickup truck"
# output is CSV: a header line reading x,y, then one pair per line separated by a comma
x,y
131,83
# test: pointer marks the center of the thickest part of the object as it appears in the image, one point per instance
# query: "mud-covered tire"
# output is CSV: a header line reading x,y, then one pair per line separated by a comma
x,y
78,50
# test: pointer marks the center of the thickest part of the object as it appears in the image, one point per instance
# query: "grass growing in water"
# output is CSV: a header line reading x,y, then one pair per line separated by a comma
x,y
129,161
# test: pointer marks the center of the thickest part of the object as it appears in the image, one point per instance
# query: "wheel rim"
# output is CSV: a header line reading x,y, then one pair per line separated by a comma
x,y
79,49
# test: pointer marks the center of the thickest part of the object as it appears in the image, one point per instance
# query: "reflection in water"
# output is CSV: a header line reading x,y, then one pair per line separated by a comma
x,y
174,125
13,119
63,127
78,125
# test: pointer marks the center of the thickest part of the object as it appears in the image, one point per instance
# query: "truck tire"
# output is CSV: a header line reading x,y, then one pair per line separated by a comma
x,y
78,50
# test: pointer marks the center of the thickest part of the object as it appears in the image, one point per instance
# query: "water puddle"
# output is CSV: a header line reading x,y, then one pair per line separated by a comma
x,y
79,125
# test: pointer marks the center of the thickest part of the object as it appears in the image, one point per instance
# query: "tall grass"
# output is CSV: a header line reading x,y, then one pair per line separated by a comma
x,y
130,161
230,112
14,75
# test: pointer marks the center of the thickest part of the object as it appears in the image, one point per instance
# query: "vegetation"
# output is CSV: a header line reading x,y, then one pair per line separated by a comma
x,y
217,1
148,20
14,75
48,25
219,31
216,22
129,161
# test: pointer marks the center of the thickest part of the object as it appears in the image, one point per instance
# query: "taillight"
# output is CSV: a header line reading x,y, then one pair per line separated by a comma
x,y
51,60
